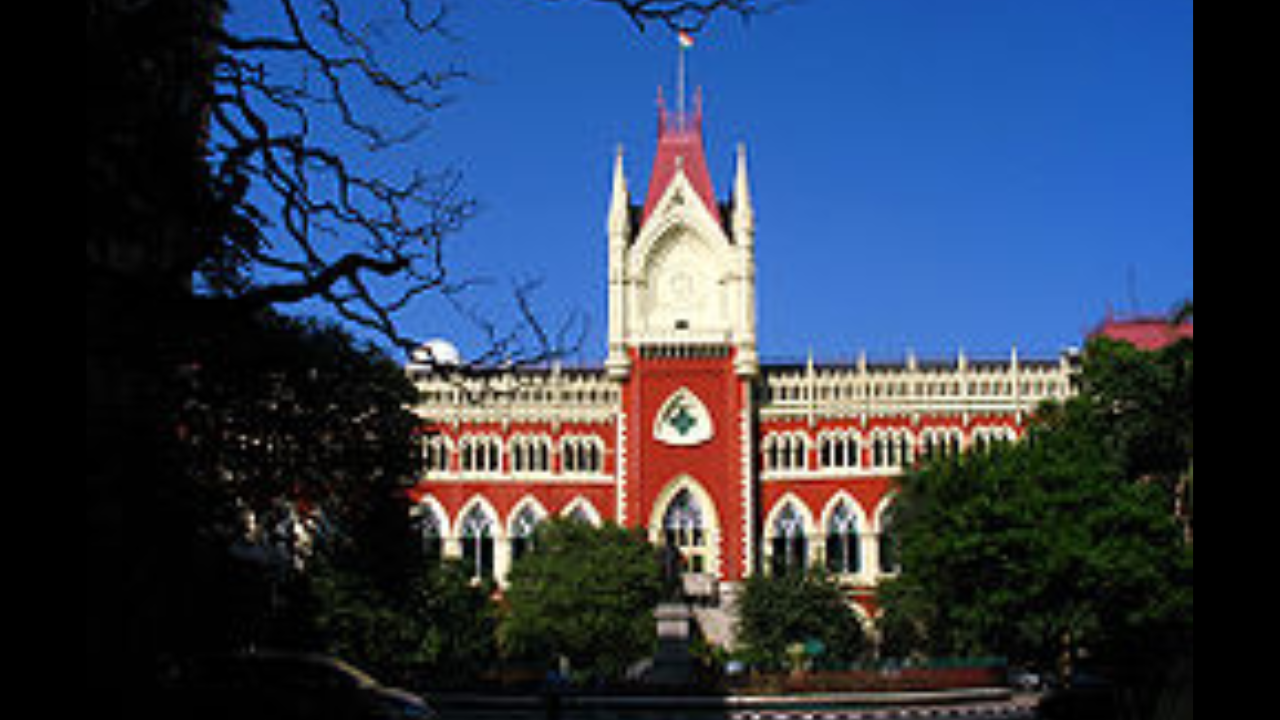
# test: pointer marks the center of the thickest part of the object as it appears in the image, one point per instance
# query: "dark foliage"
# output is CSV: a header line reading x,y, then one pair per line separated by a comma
x,y
287,411
586,594
780,612
1073,545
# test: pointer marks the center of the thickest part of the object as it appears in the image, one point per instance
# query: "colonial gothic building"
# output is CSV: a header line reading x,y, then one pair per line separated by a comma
x,y
741,467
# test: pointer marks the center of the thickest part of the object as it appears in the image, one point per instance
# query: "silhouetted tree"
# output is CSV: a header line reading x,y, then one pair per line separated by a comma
x,y
291,417
228,173
304,106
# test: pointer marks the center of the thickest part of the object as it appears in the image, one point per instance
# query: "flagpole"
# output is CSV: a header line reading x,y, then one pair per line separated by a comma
x,y
683,80
687,42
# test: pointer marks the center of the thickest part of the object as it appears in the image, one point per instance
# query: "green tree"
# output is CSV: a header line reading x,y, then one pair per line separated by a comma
x,y
283,415
1053,549
300,448
209,160
438,631
777,612
290,422
1143,405
586,594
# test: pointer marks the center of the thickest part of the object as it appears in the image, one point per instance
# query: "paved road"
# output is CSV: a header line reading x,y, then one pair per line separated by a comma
x,y
974,712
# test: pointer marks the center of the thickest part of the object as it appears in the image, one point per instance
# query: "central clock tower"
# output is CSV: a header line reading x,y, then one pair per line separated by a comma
x,y
683,345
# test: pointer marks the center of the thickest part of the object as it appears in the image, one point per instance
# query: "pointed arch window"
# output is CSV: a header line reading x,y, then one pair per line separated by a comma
x,y
844,541
430,530
685,523
685,531
523,533
790,543
479,544
582,511
890,543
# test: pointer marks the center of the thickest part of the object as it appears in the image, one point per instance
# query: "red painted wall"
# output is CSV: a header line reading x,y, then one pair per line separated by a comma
x,y
506,491
716,465
555,497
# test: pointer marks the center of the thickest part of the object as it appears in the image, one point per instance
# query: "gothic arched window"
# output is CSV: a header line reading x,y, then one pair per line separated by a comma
x,y
685,523
523,531
685,531
790,544
431,530
890,544
844,541
478,544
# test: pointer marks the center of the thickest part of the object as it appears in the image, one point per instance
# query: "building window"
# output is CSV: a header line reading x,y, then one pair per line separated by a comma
x,y
530,455
892,450
844,541
988,439
787,453
790,544
685,531
437,453
523,533
582,511
941,444
478,544
840,451
890,544
431,531
582,456
481,455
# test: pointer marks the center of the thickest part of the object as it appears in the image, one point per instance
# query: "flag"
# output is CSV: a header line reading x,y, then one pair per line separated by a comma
x,y
687,40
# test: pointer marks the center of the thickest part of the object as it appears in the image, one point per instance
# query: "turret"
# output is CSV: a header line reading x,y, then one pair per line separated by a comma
x,y
744,235
619,363
620,206
682,268
744,210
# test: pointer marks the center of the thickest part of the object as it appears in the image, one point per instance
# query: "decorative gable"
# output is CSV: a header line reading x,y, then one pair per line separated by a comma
x,y
681,152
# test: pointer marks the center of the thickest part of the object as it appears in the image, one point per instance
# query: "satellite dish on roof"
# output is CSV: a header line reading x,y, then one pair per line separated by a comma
x,y
435,355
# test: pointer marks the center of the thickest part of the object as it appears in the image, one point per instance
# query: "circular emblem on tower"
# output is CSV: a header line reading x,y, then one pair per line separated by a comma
x,y
684,421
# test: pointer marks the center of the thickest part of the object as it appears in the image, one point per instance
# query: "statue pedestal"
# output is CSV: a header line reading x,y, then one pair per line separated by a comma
x,y
673,665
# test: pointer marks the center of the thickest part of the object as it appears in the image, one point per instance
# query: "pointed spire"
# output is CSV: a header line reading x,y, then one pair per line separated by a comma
x,y
742,186
620,207
744,210
681,150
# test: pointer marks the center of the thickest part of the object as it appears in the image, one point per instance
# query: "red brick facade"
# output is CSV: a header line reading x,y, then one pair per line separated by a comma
x,y
743,467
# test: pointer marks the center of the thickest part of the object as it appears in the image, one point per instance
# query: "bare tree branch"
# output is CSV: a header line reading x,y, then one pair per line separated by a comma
x,y
688,15
306,102
303,108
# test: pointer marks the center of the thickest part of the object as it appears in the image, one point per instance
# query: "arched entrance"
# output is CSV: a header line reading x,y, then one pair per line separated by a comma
x,y
685,520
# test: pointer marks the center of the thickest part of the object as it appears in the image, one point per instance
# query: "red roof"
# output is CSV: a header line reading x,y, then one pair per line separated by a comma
x,y
1149,334
680,145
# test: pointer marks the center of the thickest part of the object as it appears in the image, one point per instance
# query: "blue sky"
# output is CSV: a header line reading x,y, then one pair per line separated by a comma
x,y
930,174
